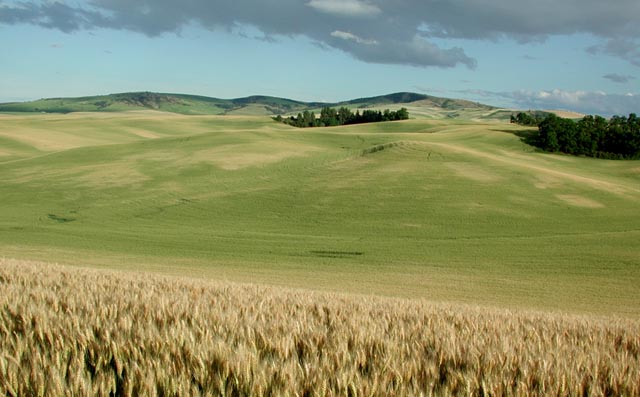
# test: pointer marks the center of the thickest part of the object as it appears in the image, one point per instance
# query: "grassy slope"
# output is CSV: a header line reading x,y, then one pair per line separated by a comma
x,y
174,103
182,104
451,211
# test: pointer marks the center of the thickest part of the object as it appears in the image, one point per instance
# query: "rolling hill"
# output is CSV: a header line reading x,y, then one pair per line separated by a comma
x,y
450,209
252,105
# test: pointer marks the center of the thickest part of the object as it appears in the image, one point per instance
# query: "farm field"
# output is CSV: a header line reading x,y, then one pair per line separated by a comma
x,y
448,210
69,331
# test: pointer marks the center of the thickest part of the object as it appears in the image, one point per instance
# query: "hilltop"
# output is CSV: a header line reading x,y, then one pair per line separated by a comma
x,y
257,105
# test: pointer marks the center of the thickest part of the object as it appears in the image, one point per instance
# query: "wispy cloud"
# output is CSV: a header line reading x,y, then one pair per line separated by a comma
x,y
350,8
625,48
350,36
618,78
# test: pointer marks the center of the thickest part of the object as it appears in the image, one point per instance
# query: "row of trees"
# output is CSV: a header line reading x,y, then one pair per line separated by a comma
x,y
330,117
529,118
617,138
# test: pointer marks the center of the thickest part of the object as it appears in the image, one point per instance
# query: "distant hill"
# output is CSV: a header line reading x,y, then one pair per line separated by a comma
x,y
201,105
426,100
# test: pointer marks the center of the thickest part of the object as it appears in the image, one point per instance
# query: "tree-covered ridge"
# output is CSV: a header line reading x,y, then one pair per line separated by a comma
x,y
594,136
330,117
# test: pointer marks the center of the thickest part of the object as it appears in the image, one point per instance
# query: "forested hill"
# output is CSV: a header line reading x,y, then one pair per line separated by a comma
x,y
193,104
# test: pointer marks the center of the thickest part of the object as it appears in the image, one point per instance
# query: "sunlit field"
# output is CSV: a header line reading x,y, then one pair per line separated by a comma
x,y
67,331
450,211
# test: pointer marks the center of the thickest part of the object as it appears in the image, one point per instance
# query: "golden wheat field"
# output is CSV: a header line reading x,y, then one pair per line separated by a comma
x,y
70,331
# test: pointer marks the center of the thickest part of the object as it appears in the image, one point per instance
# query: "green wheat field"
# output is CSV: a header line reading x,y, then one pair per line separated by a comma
x,y
415,238
450,211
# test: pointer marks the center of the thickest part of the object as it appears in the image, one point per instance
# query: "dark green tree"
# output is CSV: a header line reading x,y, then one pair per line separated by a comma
x,y
402,114
344,115
592,136
329,117
548,134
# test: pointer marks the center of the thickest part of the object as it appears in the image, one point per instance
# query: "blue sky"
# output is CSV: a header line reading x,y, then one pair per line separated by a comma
x,y
500,52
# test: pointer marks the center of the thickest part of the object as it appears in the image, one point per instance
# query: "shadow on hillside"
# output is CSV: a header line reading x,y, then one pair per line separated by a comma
x,y
528,136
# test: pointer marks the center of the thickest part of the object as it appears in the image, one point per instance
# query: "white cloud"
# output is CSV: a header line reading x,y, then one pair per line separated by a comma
x,y
350,36
559,96
591,102
350,8
588,102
